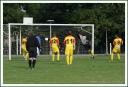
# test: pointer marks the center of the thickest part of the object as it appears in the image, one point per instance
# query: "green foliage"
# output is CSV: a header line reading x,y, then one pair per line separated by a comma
x,y
105,16
12,13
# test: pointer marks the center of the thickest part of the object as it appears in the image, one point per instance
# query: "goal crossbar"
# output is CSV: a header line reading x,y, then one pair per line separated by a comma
x,y
81,25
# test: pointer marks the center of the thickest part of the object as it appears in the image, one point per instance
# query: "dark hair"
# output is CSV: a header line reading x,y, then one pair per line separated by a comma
x,y
69,32
30,33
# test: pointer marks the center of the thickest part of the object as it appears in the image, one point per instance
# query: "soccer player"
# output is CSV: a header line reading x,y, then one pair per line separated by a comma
x,y
69,42
23,46
54,43
32,44
86,45
117,42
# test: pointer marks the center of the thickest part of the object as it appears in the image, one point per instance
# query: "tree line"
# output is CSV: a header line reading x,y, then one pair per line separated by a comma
x,y
108,17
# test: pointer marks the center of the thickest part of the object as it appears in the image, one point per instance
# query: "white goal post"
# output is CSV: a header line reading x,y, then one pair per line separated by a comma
x,y
72,25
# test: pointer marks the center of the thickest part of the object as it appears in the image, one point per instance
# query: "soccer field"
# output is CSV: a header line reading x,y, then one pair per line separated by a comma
x,y
83,71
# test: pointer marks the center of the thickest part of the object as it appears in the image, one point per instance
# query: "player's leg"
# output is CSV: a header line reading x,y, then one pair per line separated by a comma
x,y
118,54
67,59
26,54
71,59
112,54
38,51
34,62
67,55
23,52
92,54
53,56
53,53
30,62
30,59
71,55
58,54
34,51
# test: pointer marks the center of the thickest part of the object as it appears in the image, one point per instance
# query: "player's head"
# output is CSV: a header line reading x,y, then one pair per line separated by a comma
x,y
24,35
69,32
30,33
116,36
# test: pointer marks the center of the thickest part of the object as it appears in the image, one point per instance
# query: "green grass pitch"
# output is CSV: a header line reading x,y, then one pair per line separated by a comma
x,y
83,71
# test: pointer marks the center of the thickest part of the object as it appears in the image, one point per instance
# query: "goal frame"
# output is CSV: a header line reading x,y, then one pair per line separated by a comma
x,y
50,25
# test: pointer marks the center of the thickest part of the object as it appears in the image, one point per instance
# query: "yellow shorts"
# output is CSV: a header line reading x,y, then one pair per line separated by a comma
x,y
69,51
55,49
116,50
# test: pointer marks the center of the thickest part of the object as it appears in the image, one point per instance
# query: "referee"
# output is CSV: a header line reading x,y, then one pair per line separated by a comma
x,y
31,45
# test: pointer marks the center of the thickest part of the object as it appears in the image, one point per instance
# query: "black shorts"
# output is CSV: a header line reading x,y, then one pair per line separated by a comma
x,y
32,52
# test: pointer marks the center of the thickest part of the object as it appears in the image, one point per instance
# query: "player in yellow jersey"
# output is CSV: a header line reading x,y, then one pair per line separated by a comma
x,y
54,43
69,42
23,46
117,42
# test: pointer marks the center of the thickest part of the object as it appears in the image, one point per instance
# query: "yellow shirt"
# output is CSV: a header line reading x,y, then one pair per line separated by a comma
x,y
117,42
54,41
24,41
69,40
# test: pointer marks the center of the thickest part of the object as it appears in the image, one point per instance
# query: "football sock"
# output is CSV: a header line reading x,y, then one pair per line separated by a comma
x,y
34,62
71,59
58,57
27,56
30,63
53,57
112,57
67,59
118,56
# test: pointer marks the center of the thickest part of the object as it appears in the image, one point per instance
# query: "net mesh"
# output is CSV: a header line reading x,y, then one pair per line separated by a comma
x,y
44,32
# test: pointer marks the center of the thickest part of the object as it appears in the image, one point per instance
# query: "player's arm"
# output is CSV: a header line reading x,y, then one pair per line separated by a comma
x,y
27,44
64,42
37,43
57,42
121,41
113,42
74,43
50,42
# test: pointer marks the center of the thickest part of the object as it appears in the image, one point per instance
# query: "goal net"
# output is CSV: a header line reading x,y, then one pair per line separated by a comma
x,y
84,34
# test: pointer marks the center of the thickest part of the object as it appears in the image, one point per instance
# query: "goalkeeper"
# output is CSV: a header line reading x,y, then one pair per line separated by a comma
x,y
86,45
